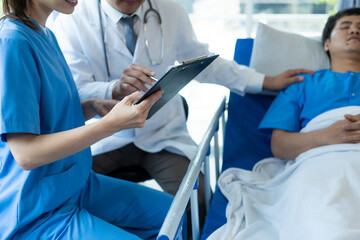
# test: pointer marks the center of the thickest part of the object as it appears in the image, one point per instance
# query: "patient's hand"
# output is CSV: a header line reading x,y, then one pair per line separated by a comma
x,y
342,131
288,145
352,127
283,80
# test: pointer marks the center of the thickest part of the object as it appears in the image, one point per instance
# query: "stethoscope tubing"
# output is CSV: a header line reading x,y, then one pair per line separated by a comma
x,y
103,40
151,9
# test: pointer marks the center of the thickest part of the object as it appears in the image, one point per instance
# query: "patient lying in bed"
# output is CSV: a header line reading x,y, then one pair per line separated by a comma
x,y
315,192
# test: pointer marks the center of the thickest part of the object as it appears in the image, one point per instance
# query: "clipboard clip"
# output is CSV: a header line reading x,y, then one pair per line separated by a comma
x,y
194,60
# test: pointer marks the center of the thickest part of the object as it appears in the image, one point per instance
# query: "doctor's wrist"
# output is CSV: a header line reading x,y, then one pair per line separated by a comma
x,y
117,93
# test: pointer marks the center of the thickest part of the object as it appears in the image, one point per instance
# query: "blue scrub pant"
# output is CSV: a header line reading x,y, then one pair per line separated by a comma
x,y
106,208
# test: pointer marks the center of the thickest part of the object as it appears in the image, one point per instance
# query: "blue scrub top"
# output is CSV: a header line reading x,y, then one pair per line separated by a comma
x,y
295,106
38,96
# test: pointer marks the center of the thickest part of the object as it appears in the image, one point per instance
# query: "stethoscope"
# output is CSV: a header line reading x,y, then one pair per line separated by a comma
x,y
145,21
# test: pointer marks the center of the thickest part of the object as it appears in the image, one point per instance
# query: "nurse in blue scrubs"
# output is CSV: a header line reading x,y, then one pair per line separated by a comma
x,y
47,188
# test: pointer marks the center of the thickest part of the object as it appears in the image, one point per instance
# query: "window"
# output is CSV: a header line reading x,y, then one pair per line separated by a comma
x,y
219,23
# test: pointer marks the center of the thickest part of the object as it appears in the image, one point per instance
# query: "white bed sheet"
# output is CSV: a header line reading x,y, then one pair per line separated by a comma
x,y
315,196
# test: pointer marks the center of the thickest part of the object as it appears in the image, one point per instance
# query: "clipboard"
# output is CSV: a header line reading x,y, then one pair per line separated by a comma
x,y
175,79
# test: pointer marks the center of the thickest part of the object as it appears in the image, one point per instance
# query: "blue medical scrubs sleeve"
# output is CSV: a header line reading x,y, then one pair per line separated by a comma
x,y
284,112
20,87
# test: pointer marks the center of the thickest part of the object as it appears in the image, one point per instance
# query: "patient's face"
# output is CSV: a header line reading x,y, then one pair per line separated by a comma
x,y
345,37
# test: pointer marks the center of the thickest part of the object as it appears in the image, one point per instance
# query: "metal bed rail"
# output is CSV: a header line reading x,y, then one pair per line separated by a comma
x,y
186,189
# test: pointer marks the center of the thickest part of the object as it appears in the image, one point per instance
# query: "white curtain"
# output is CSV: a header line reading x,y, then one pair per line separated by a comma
x,y
342,4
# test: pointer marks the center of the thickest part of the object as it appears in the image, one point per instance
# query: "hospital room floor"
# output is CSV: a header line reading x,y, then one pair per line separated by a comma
x,y
201,98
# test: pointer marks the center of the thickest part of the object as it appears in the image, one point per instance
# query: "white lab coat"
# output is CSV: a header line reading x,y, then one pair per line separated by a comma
x,y
80,39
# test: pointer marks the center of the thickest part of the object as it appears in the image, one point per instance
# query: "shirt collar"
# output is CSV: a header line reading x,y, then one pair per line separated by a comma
x,y
114,14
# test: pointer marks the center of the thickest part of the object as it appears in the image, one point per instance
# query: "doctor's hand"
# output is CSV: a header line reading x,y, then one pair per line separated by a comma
x,y
285,79
133,79
96,106
125,114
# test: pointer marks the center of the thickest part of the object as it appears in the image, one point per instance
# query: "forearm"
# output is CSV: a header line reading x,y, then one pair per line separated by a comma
x,y
88,108
288,145
95,89
31,151
237,78
88,111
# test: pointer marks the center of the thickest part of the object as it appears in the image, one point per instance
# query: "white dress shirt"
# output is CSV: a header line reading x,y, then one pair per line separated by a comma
x,y
79,37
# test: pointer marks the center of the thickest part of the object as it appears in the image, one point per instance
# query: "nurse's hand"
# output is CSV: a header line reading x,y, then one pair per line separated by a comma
x,y
284,79
133,79
126,114
31,150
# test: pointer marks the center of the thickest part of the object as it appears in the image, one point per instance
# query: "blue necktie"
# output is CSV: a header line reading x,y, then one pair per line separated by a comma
x,y
130,33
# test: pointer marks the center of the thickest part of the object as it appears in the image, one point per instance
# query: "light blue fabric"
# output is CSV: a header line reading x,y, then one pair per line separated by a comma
x,y
294,107
64,199
38,96
102,205
130,33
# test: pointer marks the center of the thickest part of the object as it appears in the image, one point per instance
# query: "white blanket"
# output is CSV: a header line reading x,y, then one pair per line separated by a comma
x,y
314,197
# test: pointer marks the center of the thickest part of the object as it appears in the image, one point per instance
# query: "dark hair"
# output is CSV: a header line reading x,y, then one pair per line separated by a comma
x,y
15,10
331,22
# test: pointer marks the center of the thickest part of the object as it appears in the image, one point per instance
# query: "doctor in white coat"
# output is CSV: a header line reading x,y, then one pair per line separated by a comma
x,y
94,43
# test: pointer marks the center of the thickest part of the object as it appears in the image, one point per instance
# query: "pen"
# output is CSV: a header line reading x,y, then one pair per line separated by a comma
x,y
153,78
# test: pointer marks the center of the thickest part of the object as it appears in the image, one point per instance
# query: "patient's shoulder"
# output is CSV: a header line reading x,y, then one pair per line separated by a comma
x,y
310,81
316,73
319,74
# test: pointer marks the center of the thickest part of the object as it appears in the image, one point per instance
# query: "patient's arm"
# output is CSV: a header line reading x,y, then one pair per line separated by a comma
x,y
288,145
283,80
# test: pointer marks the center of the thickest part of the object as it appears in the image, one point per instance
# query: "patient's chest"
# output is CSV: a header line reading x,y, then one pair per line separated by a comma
x,y
329,90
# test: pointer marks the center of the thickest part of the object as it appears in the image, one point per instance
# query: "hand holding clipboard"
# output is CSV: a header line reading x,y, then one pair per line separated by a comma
x,y
175,79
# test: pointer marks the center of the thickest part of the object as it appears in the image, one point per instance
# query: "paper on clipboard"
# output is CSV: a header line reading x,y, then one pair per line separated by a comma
x,y
175,79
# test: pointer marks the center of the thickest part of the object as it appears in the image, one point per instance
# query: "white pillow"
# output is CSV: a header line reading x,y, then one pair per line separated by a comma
x,y
275,51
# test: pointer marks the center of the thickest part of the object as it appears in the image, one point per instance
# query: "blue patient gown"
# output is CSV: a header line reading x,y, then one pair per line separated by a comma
x,y
64,199
322,91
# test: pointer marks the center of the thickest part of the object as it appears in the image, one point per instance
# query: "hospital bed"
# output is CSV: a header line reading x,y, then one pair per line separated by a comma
x,y
216,215
244,144
272,52
237,138
212,123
